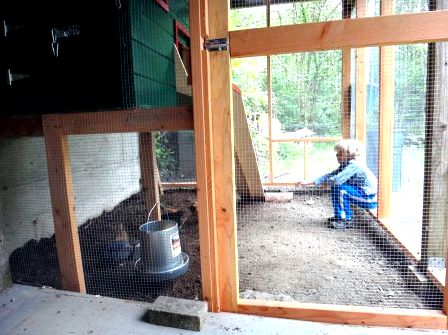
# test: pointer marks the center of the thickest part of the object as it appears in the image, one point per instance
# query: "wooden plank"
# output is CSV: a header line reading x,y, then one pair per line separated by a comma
x,y
270,145
386,121
27,125
179,184
347,8
127,121
438,141
63,205
428,154
248,175
204,154
370,316
269,89
307,139
360,82
346,92
149,174
340,34
223,157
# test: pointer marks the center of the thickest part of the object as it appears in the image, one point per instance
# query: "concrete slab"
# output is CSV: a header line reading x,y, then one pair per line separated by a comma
x,y
34,311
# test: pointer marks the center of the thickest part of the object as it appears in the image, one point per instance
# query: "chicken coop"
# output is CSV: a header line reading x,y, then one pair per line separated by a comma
x,y
187,149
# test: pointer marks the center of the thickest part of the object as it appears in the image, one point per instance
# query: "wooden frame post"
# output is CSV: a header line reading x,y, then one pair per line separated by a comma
x,y
346,76
63,205
435,211
223,157
204,154
360,82
150,174
386,121
269,88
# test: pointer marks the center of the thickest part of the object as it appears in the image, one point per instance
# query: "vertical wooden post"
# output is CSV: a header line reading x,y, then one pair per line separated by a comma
x,y
271,146
305,160
435,211
347,8
269,88
63,205
360,85
204,154
149,174
386,120
223,157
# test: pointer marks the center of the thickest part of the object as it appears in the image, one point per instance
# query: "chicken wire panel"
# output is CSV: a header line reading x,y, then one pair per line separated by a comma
x,y
176,157
125,253
27,242
265,13
289,250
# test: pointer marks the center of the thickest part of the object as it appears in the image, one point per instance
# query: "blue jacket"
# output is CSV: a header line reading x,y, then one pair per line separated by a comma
x,y
351,173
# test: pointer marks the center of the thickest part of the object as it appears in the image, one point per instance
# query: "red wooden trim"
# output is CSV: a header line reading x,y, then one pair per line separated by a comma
x,y
165,4
179,28
236,89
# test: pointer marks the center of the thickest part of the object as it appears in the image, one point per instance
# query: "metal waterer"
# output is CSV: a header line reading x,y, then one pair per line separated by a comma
x,y
161,253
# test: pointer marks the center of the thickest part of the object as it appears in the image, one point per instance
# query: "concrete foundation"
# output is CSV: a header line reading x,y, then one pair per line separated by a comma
x,y
34,311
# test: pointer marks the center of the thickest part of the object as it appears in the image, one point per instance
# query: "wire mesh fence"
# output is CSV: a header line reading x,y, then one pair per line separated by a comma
x,y
384,243
366,233
99,222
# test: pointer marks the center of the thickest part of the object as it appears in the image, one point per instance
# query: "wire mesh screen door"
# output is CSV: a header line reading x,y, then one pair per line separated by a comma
x,y
287,102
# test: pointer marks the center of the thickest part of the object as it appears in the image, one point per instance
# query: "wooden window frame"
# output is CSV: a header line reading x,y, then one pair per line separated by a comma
x,y
165,4
179,30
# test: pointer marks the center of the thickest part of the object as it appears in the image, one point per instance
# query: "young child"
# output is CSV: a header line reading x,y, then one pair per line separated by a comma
x,y
351,183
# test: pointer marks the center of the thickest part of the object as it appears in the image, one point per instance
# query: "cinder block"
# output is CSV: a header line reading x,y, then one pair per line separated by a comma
x,y
177,313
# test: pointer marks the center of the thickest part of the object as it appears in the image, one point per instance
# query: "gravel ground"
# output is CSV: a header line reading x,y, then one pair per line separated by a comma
x,y
285,252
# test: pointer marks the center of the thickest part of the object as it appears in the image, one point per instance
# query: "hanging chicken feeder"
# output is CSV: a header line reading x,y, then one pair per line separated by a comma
x,y
161,253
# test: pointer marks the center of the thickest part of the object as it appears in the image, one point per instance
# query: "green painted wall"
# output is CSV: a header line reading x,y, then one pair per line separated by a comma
x,y
152,48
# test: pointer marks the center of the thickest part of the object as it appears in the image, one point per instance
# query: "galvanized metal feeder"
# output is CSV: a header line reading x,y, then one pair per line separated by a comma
x,y
161,253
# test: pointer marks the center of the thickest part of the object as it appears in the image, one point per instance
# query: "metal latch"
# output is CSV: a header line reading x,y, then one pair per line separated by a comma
x,y
7,28
217,44
11,77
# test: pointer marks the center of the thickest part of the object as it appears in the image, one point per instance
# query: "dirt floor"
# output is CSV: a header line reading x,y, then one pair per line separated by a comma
x,y
286,252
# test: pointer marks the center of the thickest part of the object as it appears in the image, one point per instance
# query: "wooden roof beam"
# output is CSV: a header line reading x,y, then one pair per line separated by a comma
x,y
348,33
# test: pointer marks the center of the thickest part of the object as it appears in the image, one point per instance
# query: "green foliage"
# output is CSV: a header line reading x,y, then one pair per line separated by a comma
x,y
306,87
289,151
166,159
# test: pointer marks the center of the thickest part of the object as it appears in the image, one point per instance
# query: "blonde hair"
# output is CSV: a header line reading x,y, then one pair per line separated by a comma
x,y
352,148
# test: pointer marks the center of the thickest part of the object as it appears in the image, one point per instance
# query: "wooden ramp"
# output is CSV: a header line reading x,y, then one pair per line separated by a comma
x,y
248,181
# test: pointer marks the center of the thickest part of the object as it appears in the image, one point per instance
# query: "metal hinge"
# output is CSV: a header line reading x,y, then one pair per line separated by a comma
x,y
217,44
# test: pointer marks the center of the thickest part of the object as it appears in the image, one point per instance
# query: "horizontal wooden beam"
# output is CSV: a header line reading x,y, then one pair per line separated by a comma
x,y
349,33
371,316
125,121
307,139
179,184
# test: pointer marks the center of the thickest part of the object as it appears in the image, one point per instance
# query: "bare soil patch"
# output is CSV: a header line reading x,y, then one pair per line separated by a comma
x,y
286,252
